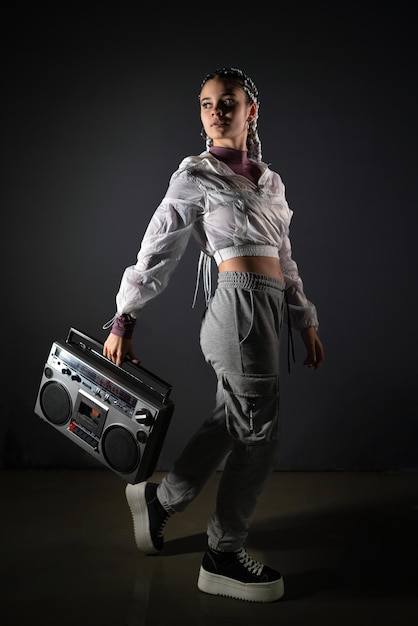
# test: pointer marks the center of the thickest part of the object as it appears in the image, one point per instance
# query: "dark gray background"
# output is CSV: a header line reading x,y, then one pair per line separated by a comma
x,y
100,109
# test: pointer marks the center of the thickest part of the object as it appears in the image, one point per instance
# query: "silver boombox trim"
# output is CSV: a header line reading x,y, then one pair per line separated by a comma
x,y
119,415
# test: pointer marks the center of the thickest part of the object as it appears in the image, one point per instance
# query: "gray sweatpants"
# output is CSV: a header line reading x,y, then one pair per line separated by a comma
x,y
240,338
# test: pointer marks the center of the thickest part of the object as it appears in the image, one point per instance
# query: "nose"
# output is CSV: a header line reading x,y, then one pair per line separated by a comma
x,y
217,111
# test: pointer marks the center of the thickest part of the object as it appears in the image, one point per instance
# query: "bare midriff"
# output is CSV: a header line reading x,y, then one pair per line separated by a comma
x,y
265,265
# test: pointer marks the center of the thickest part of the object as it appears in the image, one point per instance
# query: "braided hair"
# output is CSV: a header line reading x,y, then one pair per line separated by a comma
x,y
251,92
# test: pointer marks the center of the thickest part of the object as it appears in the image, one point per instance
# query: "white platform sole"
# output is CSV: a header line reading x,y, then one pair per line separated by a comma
x,y
251,592
135,495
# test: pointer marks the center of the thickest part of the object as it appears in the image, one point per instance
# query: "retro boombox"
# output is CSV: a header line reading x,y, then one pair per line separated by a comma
x,y
119,415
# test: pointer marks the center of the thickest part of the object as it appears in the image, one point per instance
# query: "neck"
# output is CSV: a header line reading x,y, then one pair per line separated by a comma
x,y
231,155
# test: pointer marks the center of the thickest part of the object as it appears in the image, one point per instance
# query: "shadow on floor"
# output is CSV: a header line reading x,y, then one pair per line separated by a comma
x,y
345,543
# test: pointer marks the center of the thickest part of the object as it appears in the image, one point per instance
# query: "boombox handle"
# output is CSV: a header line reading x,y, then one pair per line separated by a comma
x,y
150,380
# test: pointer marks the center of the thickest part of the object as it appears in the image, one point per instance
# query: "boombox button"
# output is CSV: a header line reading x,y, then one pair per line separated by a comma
x,y
76,377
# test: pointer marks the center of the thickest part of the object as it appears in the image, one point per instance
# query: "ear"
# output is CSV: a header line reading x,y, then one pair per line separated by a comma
x,y
252,111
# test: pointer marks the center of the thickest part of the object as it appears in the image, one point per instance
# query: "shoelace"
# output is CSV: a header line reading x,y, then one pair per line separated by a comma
x,y
253,566
162,525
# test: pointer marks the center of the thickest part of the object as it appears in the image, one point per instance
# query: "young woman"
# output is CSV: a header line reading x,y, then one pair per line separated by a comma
x,y
235,206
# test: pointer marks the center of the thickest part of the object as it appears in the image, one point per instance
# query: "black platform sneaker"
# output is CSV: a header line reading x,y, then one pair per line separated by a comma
x,y
149,516
237,575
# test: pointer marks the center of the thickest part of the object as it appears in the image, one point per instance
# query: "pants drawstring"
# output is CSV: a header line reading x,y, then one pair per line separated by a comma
x,y
290,344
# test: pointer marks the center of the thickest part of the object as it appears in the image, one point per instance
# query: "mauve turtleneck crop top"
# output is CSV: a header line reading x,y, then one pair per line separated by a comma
x,y
238,162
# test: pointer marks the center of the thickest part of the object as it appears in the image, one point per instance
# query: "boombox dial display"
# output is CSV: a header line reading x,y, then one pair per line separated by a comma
x,y
120,415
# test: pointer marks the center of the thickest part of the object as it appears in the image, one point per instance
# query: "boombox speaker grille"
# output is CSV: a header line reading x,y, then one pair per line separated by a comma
x,y
56,403
120,449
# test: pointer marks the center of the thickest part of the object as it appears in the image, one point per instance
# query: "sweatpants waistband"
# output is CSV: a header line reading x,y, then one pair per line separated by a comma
x,y
249,280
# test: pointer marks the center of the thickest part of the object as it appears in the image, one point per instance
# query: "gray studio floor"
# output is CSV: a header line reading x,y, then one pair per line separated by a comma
x,y
346,543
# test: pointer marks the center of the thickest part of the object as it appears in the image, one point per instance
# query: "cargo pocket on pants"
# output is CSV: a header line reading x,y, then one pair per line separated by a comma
x,y
251,407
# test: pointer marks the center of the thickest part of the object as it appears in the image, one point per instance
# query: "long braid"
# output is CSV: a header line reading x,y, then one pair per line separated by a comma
x,y
251,91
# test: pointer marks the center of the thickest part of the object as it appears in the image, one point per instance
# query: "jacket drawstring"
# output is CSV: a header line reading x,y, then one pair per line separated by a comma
x,y
110,322
204,269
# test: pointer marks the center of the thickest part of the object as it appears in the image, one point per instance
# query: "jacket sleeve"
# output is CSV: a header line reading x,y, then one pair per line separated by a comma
x,y
300,313
162,246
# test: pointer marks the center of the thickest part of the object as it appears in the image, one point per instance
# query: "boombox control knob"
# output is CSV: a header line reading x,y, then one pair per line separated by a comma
x,y
144,416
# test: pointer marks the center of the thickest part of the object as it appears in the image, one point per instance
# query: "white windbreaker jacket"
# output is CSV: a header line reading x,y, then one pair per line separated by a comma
x,y
222,210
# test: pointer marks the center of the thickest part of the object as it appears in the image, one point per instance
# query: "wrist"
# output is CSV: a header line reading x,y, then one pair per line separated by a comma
x,y
123,326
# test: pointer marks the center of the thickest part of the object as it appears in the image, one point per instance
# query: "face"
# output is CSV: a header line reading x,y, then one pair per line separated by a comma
x,y
225,113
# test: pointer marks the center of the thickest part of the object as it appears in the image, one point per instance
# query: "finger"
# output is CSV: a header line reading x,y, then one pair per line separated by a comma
x,y
311,361
115,357
133,358
120,357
